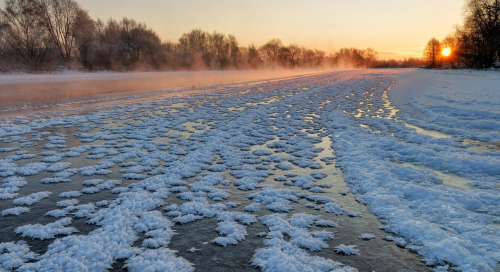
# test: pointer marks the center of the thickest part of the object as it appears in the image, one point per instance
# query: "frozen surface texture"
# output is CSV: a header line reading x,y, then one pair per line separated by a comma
x,y
257,163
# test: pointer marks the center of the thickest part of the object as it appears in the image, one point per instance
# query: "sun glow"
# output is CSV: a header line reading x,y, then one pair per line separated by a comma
x,y
446,52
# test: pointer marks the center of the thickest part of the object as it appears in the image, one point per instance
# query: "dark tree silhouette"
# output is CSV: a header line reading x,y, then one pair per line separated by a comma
x,y
481,32
432,53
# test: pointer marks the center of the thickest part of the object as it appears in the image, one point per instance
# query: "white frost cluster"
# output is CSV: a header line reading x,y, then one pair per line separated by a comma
x,y
13,255
48,231
280,255
31,199
346,250
15,211
158,260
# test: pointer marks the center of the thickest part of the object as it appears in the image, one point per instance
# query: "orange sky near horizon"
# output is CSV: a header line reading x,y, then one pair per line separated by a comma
x,y
395,28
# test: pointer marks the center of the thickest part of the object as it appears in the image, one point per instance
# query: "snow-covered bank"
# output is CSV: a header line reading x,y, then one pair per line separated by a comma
x,y
461,103
382,160
261,156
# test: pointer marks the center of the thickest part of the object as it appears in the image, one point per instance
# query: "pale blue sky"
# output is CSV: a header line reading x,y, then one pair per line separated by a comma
x,y
397,27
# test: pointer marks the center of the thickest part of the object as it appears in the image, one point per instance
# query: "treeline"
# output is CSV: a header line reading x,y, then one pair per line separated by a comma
x,y
474,44
406,63
45,35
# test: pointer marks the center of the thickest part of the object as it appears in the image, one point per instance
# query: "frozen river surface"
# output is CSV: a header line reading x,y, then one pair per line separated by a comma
x,y
368,170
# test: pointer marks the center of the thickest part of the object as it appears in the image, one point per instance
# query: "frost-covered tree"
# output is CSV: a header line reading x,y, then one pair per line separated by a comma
x,y
3,41
58,18
28,40
84,31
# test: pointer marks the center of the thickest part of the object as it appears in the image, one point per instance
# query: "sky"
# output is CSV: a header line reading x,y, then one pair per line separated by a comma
x,y
395,28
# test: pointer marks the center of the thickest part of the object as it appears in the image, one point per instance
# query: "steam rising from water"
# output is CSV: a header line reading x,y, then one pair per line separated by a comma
x,y
15,88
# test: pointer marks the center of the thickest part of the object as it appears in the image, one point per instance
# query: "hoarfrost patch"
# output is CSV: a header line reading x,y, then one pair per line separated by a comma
x,y
15,211
31,199
48,231
13,255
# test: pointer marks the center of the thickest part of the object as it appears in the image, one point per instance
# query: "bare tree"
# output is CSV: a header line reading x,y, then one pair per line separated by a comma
x,y
26,37
342,57
167,57
193,46
3,42
196,40
357,57
271,49
58,17
308,56
284,56
406,63
481,31
295,52
38,27
319,57
354,57
84,31
254,59
234,50
432,53
126,40
218,48
3,33
370,57
148,44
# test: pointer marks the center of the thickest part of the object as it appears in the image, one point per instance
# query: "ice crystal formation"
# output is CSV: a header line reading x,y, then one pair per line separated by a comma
x,y
258,155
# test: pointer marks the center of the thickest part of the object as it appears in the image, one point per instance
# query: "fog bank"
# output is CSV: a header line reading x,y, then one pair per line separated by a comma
x,y
27,87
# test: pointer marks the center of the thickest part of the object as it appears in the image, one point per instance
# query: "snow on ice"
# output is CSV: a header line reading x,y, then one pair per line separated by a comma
x,y
399,137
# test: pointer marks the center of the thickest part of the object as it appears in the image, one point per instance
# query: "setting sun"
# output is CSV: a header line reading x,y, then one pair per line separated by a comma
x,y
446,52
